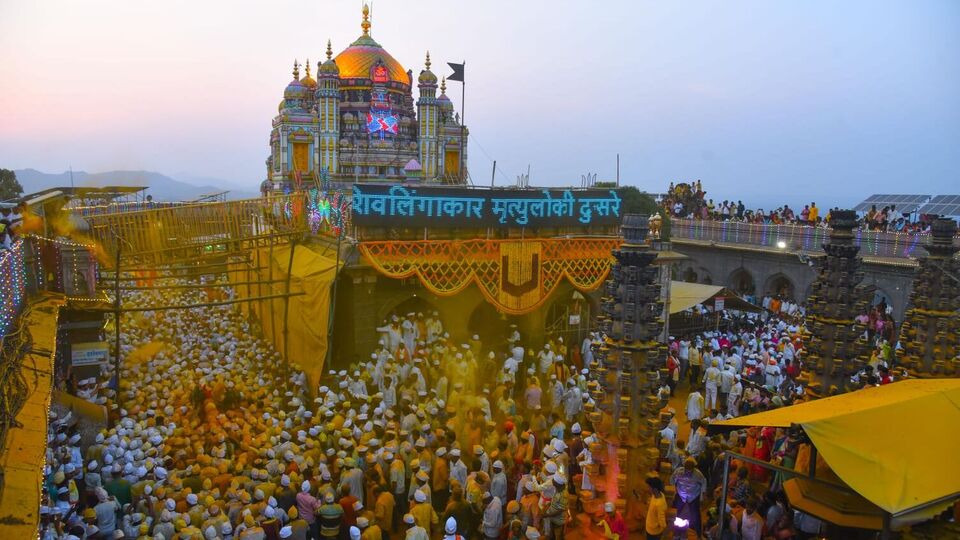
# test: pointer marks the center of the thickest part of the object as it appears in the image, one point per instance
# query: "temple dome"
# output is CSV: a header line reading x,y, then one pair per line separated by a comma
x,y
295,90
357,60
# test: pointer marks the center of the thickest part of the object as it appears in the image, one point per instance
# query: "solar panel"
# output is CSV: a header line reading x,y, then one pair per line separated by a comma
x,y
944,205
904,203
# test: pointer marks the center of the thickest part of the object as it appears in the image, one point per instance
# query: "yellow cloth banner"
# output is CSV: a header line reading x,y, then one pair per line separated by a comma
x,y
312,273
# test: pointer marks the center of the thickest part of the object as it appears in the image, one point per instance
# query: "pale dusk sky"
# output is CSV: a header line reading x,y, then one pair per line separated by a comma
x,y
765,101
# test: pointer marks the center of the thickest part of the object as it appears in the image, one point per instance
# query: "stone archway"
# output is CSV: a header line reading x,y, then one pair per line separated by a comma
x,y
690,275
404,303
488,323
780,284
742,282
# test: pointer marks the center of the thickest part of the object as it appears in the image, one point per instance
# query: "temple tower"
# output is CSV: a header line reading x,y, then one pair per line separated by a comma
x,y
625,372
428,113
932,324
327,98
837,348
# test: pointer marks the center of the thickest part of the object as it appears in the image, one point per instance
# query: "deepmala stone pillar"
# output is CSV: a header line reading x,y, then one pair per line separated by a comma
x,y
837,348
625,372
931,326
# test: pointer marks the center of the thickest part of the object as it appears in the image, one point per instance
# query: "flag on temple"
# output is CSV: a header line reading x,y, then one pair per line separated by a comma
x,y
457,72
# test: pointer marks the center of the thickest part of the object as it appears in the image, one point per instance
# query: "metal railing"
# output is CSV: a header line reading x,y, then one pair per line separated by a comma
x,y
798,237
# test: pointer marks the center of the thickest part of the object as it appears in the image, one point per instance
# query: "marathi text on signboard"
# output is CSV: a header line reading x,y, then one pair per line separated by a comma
x,y
393,205
88,354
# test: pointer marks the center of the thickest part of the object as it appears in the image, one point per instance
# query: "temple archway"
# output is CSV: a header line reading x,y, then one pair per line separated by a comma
x,y
488,323
742,282
690,275
780,284
404,304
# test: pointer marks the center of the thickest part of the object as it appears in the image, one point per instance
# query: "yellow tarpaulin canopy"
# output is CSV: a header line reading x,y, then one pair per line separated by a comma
x,y
684,296
897,444
312,273
22,458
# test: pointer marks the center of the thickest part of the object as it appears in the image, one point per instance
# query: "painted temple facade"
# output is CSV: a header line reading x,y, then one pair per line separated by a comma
x,y
359,121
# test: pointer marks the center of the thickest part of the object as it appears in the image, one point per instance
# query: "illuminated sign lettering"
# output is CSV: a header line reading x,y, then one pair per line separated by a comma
x,y
394,205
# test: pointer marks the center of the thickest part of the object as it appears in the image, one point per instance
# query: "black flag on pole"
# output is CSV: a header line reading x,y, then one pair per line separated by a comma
x,y
457,72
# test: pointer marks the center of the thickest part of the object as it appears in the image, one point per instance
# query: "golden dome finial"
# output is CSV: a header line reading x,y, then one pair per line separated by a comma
x,y
329,50
366,20
427,63
307,67
296,70
443,85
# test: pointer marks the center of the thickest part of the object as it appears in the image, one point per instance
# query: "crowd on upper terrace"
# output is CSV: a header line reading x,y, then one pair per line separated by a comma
x,y
689,201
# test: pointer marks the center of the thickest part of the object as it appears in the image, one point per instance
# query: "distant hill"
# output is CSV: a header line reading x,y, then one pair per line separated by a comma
x,y
162,187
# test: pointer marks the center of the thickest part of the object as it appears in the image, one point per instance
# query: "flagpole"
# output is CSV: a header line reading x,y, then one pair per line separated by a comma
x,y
463,121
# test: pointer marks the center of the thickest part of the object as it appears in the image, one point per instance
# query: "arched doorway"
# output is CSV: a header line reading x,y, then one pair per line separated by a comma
x,y
412,304
781,285
488,323
741,281
690,275
707,280
569,317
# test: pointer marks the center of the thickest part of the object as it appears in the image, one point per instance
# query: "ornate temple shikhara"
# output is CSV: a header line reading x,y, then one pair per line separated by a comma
x,y
358,120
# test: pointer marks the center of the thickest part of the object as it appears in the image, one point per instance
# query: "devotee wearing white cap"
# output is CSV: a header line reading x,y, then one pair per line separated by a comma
x,y
492,516
414,531
712,379
106,512
450,530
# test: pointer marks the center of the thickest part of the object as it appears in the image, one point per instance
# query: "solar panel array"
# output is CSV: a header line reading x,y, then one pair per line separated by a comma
x,y
944,205
904,203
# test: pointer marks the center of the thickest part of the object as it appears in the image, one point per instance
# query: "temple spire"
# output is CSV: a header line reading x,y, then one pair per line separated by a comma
x,y
443,85
427,63
307,67
329,50
296,70
366,20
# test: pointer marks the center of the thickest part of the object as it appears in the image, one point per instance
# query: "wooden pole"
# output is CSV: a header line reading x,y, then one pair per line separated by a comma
x,y
286,305
116,327
194,286
618,170
723,495
333,305
273,327
203,304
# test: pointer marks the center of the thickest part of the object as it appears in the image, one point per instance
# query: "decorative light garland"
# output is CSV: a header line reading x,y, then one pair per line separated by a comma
x,y
61,241
13,279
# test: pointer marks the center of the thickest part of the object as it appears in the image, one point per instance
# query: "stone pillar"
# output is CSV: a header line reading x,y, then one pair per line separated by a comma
x,y
836,348
932,325
625,374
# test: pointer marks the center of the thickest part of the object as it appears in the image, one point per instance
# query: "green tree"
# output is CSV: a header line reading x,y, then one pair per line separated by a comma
x,y
634,201
10,188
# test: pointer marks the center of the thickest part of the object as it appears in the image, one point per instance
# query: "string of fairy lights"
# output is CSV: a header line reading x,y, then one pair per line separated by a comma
x,y
13,282
871,243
